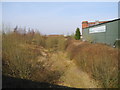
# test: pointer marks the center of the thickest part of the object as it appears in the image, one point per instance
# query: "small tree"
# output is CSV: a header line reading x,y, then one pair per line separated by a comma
x,y
77,34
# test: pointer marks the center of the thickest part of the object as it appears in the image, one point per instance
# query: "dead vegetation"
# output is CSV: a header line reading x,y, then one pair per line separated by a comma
x,y
20,58
98,60
40,58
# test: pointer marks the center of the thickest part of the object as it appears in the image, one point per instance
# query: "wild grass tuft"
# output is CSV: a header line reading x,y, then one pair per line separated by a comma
x,y
20,54
98,60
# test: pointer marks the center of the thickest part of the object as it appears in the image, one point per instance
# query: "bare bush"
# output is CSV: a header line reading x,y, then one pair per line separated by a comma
x,y
98,60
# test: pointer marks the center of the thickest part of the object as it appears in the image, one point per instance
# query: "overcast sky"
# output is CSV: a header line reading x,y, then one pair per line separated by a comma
x,y
56,17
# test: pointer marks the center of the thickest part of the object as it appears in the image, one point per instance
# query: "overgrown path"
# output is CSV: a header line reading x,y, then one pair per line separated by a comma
x,y
45,59
73,76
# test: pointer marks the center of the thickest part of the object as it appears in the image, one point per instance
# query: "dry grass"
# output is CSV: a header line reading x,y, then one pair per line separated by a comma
x,y
98,60
39,58
56,43
20,58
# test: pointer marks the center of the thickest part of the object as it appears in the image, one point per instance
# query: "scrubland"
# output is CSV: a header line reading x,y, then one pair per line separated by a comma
x,y
25,56
98,60
59,60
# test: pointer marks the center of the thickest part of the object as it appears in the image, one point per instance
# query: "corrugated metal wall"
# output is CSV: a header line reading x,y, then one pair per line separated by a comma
x,y
108,37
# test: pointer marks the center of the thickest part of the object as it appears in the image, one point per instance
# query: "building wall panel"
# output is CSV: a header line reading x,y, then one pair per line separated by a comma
x,y
108,37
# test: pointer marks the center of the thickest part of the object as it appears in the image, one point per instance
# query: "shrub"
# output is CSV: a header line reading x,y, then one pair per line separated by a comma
x,y
38,40
20,58
77,34
117,43
15,58
98,60
56,43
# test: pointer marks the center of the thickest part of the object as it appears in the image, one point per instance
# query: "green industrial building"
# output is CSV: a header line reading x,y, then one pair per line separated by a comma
x,y
107,33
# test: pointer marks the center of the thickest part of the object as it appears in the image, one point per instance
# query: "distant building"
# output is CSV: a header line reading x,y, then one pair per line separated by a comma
x,y
86,24
107,32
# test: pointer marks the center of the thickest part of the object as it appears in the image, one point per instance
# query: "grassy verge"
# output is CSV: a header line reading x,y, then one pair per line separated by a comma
x,y
98,60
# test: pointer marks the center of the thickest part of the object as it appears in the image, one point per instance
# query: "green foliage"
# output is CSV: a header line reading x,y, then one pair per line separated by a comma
x,y
77,34
117,43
